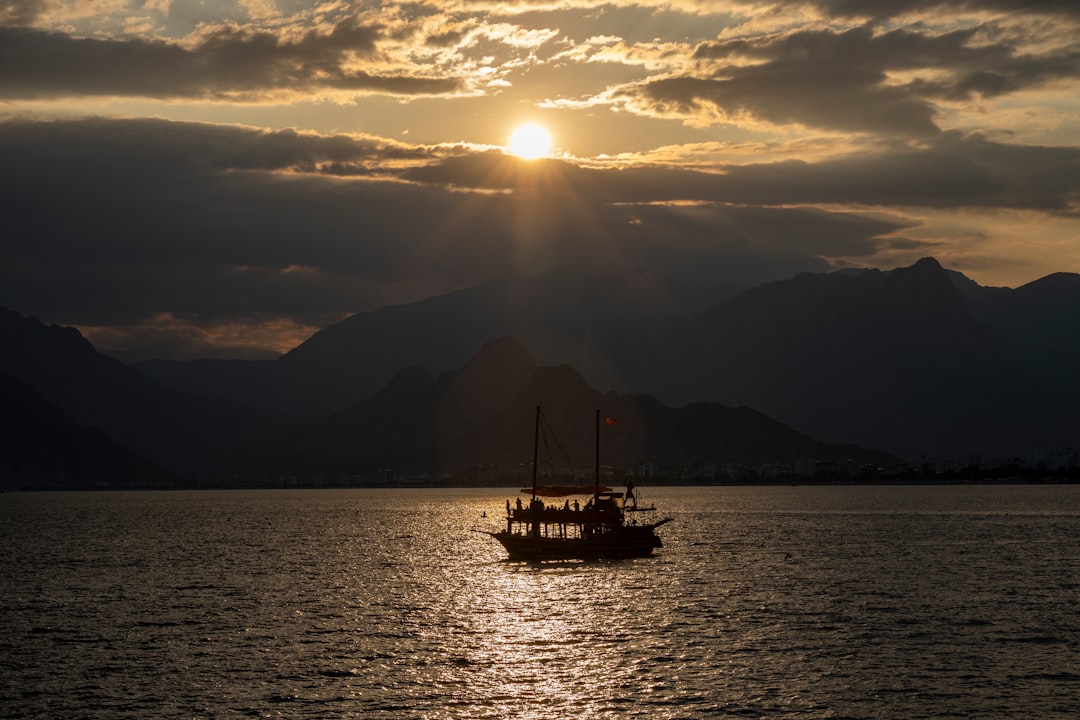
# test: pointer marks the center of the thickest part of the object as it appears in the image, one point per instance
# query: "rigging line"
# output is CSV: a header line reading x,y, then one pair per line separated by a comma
x,y
563,455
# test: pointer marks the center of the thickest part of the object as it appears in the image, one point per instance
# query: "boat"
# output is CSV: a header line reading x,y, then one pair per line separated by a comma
x,y
598,529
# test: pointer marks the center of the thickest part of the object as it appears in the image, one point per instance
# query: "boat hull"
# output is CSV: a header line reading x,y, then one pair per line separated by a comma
x,y
627,542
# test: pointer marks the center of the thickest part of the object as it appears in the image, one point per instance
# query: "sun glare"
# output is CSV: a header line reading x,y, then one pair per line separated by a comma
x,y
530,141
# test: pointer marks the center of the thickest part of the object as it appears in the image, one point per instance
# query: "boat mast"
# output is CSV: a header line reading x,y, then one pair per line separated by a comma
x,y
536,451
596,472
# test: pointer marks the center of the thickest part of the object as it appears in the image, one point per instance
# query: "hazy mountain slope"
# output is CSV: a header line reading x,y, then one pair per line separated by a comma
x,y
346,362
569,319
1041,321
893,359
250,382
181,431
482,417
41,449
410,422
592,322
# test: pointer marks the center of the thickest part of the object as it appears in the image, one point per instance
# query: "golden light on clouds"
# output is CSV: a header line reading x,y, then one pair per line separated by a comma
x,y
321,158
530,141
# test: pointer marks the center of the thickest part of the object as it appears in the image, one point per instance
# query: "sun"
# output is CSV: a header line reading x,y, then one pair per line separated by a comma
x,y
530,141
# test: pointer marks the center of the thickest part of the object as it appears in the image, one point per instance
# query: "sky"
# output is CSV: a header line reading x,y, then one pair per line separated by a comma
x,y
220,178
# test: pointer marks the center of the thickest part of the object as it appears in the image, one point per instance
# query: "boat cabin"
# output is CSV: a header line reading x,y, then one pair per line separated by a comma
x,y
602,513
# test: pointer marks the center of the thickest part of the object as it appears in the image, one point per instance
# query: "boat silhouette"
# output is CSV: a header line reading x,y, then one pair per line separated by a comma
x,y
542,530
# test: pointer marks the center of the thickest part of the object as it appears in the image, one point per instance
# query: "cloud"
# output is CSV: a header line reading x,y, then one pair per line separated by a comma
x,y
19,12
853,80
223,62
112,222
704,142
891,8
117,224
187,338
952,171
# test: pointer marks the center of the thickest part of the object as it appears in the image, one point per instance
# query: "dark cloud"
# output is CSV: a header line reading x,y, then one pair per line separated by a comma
x,y
19,12
444,39
840,80
186,236
846,98
952,171
112,222
227,61
891,8
121,222
145,214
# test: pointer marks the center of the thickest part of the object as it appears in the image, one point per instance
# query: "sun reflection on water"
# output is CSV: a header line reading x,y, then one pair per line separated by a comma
x,y
552,640
489,638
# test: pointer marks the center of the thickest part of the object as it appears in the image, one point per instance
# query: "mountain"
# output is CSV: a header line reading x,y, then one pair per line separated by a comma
x,y
480,418
251,383
919,360
42,449
184,432
1040,320
477,416
897,359
577,319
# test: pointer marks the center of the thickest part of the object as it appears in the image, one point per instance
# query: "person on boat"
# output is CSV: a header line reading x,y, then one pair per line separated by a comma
x,y
577,506
508,506
518,503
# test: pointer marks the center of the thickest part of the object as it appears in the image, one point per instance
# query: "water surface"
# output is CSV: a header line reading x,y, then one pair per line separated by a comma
x,y
814,602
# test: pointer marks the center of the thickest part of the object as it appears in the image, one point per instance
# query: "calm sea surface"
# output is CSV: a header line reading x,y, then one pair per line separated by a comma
x,y
815,602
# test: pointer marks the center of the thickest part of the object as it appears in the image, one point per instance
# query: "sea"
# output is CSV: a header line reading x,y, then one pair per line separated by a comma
x,y
765,602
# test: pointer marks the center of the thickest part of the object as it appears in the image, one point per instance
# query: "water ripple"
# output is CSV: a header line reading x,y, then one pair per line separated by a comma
x,y
765,602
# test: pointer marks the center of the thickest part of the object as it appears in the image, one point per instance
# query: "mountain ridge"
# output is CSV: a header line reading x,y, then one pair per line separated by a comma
x,y
180,430
920,361
419,425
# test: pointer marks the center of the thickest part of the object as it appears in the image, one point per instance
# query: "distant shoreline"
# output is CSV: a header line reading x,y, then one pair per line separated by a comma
x,y
314,484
